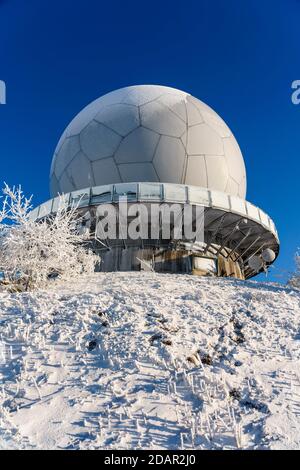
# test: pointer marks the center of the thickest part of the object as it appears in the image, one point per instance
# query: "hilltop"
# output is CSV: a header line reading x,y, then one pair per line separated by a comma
x,y
144,360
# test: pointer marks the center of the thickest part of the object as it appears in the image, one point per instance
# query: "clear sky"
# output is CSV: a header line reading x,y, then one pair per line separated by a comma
x,y
239,56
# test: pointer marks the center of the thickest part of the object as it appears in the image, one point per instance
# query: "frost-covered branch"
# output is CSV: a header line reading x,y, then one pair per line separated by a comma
x,y
17,205
295,279
33,252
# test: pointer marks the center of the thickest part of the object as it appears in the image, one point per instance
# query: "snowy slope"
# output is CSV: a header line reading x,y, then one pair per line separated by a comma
x,y
135,360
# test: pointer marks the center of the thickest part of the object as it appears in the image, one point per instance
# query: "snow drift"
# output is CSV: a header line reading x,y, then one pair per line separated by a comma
x,y
141,360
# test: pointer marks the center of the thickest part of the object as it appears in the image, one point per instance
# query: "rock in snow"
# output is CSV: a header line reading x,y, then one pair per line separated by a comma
x,y
149,361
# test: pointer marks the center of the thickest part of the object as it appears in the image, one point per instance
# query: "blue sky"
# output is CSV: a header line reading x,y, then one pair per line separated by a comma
x,y
240,57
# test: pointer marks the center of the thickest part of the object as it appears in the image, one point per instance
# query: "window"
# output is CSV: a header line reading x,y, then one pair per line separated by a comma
x,y
126,190
150,191
175,193
80,198
101,194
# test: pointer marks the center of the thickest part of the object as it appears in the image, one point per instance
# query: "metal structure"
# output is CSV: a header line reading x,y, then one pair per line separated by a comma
x,y
235,230
158,145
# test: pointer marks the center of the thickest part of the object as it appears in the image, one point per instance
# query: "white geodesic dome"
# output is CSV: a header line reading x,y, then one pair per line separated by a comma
x,y
148,133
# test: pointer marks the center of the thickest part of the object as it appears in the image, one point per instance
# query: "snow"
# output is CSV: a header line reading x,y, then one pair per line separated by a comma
x,y
32,252
151,361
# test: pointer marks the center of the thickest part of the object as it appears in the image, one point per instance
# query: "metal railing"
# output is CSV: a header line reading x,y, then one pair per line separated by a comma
x,y
158,192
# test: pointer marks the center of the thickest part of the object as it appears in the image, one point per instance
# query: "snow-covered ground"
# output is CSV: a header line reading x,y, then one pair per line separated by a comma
x,y
141,360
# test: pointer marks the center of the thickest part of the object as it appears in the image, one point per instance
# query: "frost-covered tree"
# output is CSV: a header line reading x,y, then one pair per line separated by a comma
x,y
295,279
32,252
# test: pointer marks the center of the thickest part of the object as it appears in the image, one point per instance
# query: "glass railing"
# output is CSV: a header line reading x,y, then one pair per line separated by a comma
x,y
157,192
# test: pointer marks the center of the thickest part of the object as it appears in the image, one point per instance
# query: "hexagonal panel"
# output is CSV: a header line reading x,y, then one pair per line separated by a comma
x,y
169,159
232,187
197,103
140,95
80,172
54,185
196,173
98,141
137,172
83,118
110,127
216,123
69,148
175,103
217,172
138,146
61,141
193,115
65,184
211,118
243,188
104,171
234,159
204,140
53,164
121,118
183,139
161,119
113,97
